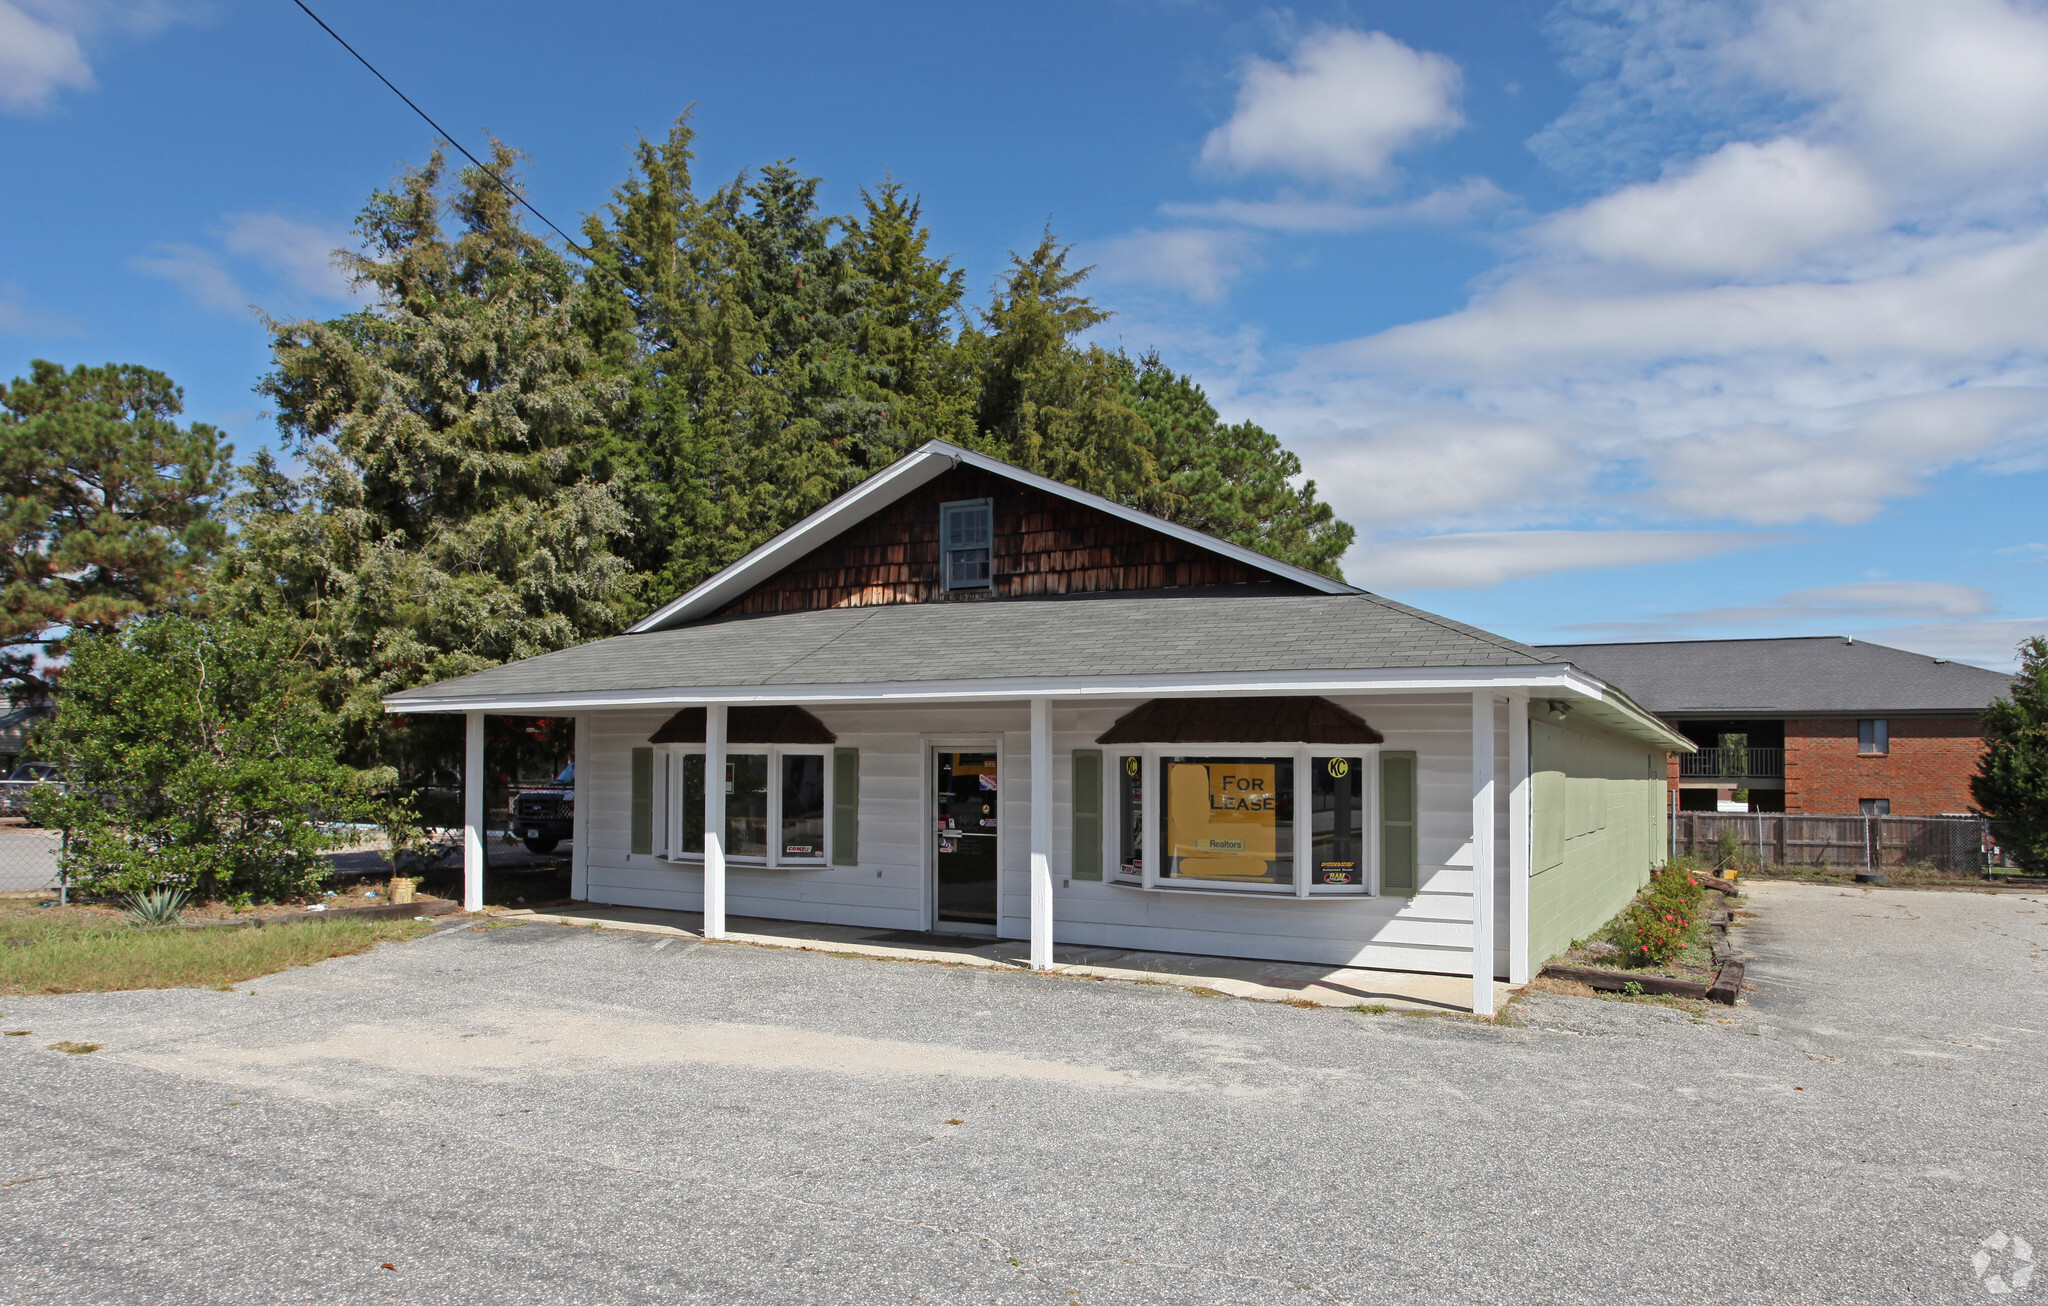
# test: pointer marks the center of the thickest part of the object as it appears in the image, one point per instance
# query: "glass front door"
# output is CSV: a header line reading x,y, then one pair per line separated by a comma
x,y
966,821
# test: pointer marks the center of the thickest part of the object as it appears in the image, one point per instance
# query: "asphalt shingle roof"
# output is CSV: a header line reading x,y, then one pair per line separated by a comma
x,y
1080,637
1822,674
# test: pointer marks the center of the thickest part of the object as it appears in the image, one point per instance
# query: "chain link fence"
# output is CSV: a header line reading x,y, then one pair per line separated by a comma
x,y
28,858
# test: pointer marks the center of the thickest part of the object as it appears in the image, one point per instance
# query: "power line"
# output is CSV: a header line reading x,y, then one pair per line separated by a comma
x,y
445,133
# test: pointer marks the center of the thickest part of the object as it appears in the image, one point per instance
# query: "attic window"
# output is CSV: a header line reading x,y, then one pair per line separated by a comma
x,y
966,531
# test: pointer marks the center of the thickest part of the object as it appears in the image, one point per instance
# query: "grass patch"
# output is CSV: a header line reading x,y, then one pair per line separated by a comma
x,y
48,953
1373,1009
75,1049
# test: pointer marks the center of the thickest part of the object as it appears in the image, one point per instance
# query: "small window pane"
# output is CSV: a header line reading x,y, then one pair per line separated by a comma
x,y
746,805
1874,737
966,535
693,803
967,569
1876,806
1337,840
803,807
1230,820
1130,817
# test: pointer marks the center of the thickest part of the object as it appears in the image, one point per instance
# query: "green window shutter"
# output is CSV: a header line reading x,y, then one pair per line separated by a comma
x,y
1397,825
1087,776
846,807
643,800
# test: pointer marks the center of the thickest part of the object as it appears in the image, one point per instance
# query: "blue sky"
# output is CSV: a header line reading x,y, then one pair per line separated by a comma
x,y
1600,319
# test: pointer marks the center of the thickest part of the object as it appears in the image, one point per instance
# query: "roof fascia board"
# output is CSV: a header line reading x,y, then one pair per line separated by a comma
x,y
917,468
1558,680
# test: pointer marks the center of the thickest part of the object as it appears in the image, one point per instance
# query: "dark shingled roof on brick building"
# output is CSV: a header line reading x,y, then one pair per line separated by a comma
x,y
1817,675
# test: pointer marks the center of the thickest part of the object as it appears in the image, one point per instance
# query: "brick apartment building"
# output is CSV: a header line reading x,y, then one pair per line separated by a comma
x,y
1820,725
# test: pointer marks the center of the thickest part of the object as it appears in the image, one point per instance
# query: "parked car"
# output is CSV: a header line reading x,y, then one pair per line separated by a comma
x,y
27,779
542,818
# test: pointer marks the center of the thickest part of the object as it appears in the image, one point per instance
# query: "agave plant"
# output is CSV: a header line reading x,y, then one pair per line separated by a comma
x,y
156,907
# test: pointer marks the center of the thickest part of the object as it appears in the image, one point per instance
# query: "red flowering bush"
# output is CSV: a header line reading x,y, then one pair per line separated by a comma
x,y
1650,933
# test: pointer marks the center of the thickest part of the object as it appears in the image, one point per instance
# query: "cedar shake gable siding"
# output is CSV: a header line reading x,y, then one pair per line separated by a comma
x,y
1043,546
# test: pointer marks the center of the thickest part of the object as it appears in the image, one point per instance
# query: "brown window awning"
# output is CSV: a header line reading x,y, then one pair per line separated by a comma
x,y
1240,721
747,725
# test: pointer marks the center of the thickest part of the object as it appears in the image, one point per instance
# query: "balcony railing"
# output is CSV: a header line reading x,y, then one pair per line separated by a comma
x,y
1734,764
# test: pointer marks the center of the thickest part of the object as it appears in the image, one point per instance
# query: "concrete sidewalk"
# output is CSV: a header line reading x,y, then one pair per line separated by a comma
x,y
1261,981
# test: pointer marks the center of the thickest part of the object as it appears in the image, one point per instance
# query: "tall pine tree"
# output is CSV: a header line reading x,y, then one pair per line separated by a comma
x,y
456,509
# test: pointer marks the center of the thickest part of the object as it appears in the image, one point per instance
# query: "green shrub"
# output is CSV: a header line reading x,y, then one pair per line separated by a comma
x,y
196,757
1677,888
1649,933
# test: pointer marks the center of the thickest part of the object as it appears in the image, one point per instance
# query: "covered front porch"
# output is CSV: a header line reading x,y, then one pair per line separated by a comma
x,y
1080,869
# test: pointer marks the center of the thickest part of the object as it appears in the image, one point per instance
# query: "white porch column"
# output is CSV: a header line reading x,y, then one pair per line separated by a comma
x,y
1041,834
579,822
1482,853
1518,839
473,813
714,821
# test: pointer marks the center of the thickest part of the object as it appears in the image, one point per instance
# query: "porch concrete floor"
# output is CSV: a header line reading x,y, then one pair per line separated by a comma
x,y
1262,981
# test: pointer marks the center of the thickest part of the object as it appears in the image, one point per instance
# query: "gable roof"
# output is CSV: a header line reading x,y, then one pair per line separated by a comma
x,y
1041,640
1818,674
908,473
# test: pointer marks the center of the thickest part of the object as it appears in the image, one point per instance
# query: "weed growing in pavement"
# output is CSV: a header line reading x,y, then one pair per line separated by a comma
x,y
75,1049
1373,1009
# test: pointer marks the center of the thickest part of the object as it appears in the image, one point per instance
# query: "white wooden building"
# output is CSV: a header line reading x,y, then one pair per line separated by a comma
x,y
966,699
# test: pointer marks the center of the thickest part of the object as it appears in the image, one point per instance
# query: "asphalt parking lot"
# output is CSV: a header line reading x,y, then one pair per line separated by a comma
x,y
545,1114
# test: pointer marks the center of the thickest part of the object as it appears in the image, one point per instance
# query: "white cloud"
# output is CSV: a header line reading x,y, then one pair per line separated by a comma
x,y
1891,598
294,258
1966,306
1440,467
1474,559
37,59
198,272
42,42
1296,214
299,253
1960,84
1992,643
1837,608
1743,210
1198,262
1338,110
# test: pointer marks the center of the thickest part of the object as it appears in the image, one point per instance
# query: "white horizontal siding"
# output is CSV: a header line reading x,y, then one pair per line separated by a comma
x,y
889,888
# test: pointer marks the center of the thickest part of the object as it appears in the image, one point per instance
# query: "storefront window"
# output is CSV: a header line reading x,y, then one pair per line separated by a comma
x,y
803,806
1337,841
746,804
1229,820
1130,813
